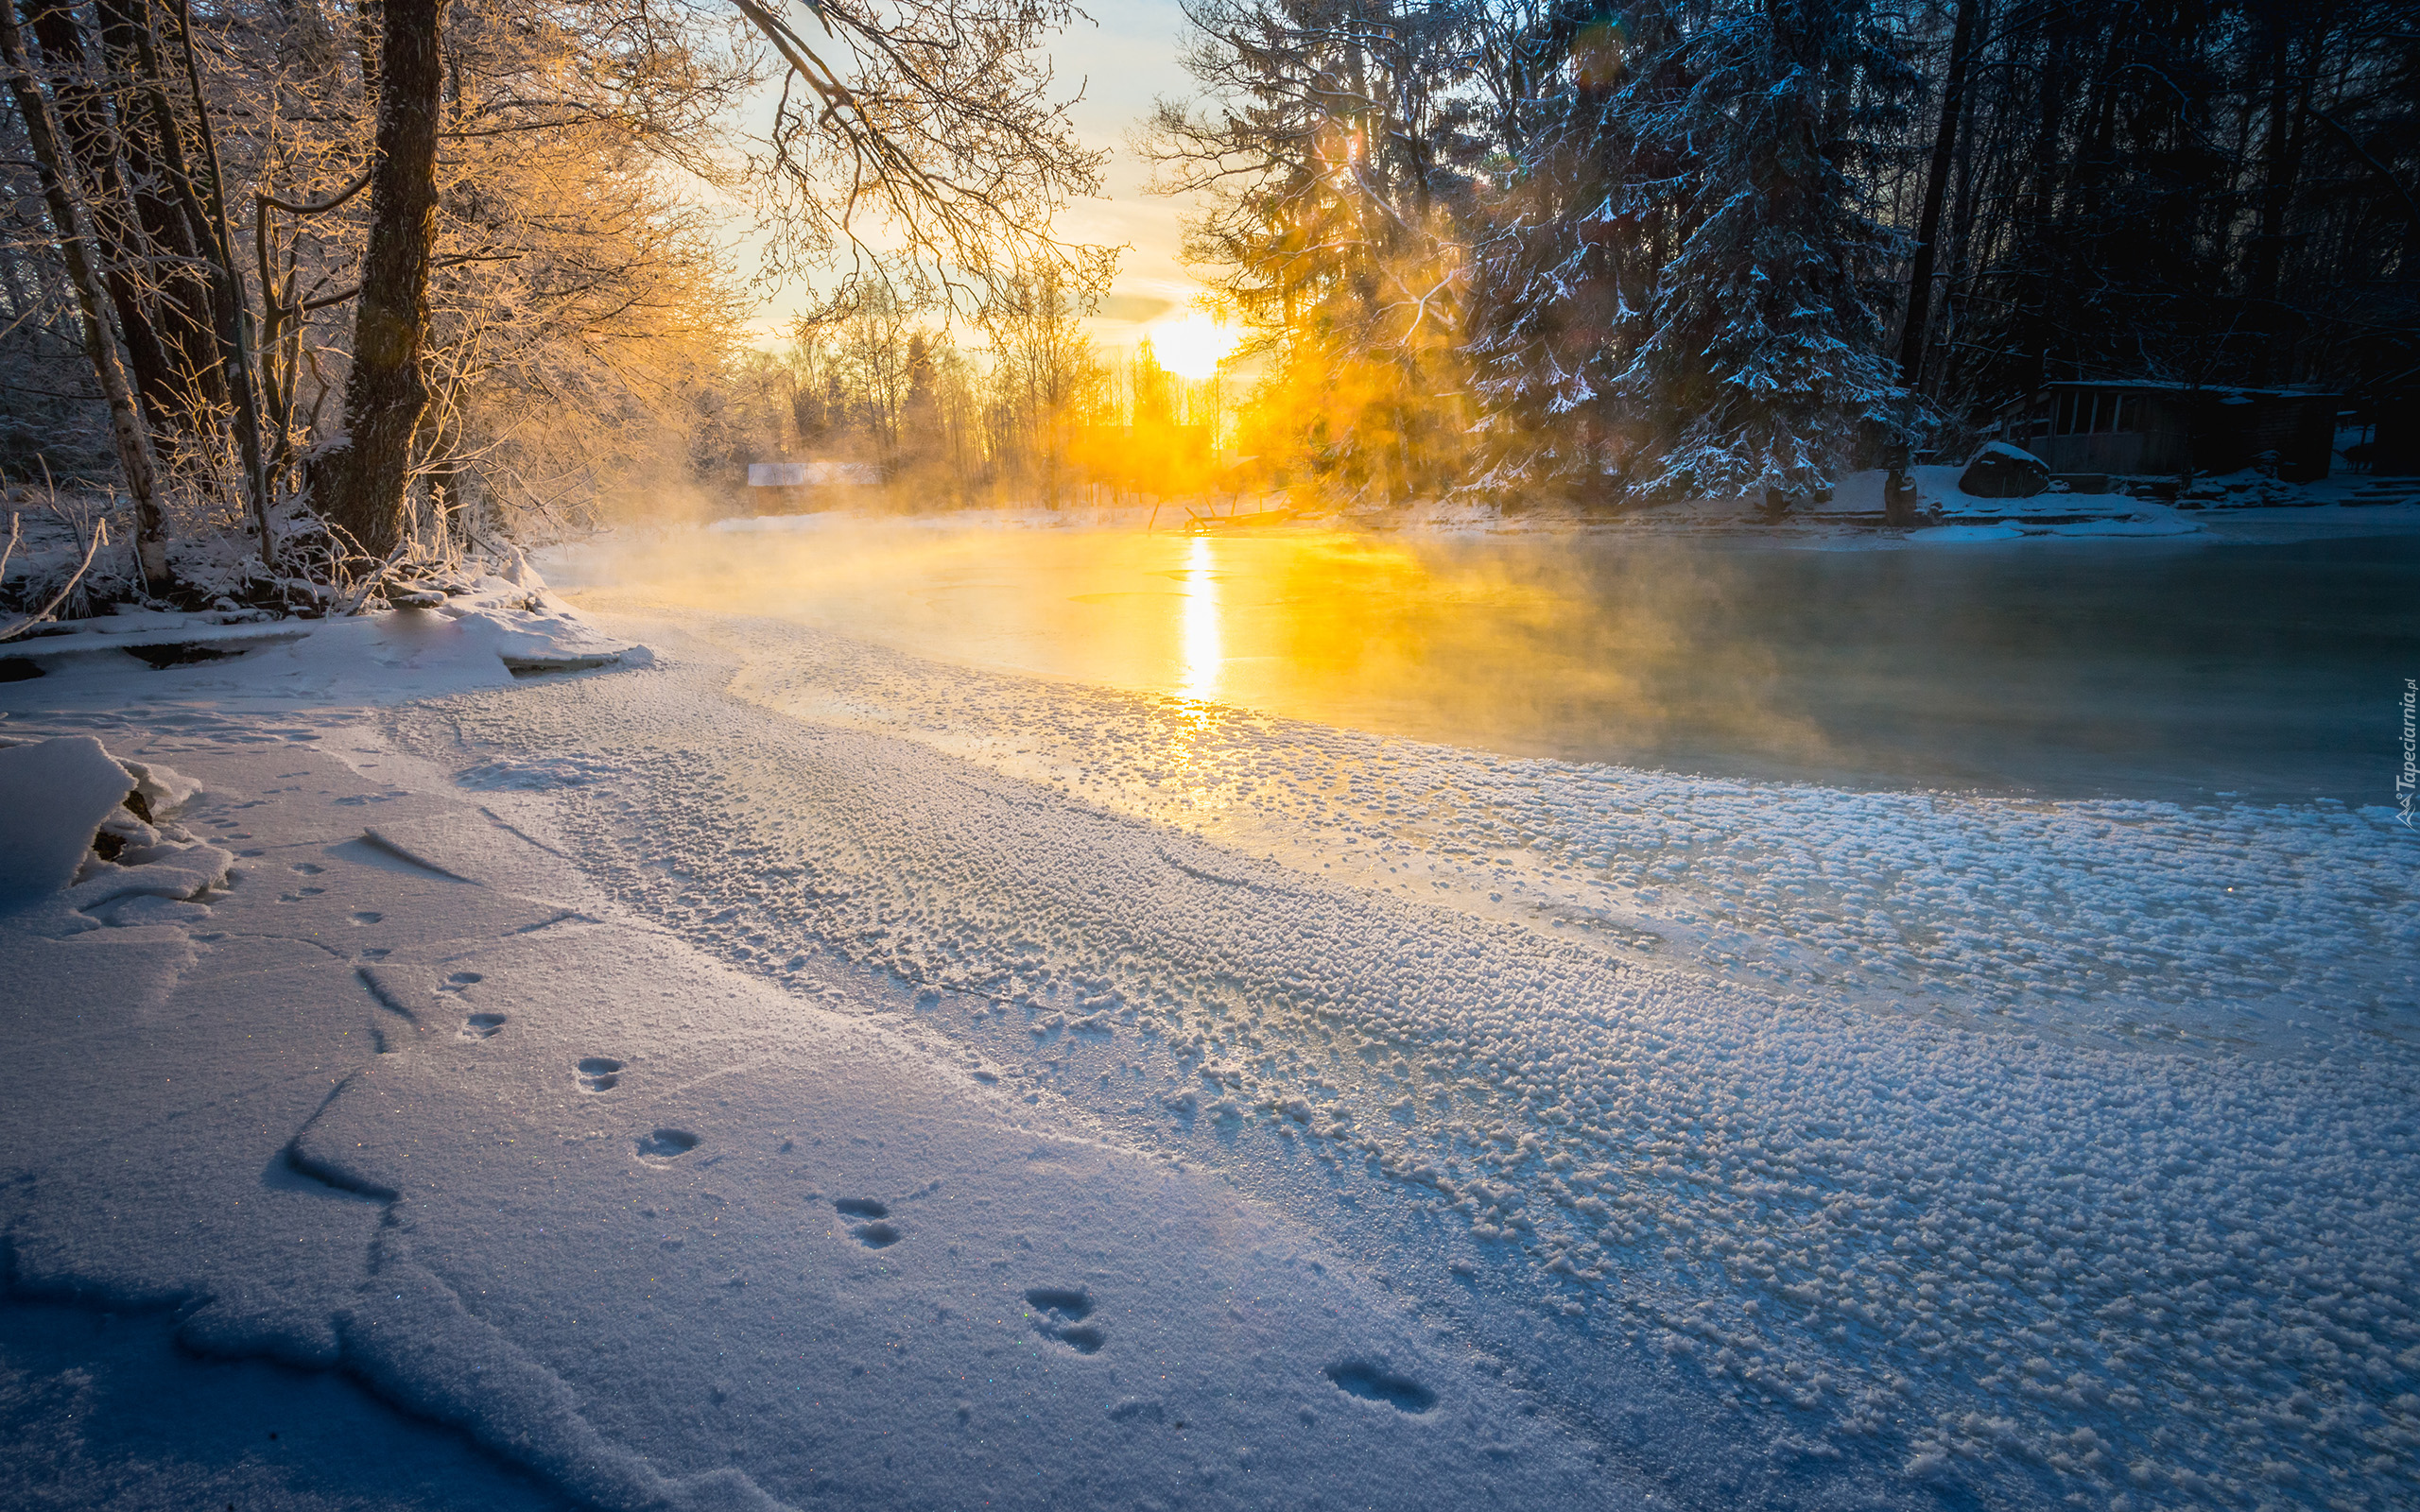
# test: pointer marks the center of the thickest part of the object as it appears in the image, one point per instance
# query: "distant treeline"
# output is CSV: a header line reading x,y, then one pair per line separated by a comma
x,y
1628,250
1012,405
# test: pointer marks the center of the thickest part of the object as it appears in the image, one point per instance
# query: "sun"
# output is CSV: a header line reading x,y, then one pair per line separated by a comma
x,y
1193,346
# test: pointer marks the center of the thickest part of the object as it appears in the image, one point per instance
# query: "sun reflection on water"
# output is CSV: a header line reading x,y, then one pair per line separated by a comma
x,y
1201,658
1534,647
1201,650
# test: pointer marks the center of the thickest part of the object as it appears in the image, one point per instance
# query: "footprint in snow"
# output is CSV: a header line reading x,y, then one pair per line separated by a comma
x,y
366,918
666,1145
460,980
1374,1381
599,1073
876,1233
482,1026
1059,1313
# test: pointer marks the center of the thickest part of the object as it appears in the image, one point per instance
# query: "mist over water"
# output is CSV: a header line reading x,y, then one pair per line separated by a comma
x,y
2257,672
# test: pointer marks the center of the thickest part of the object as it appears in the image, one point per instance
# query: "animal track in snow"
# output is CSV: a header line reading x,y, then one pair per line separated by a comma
x,y
1376,1383
366,918
875,1233
460,980
600,1073
1059,1313
308,868
666,1145
482,1026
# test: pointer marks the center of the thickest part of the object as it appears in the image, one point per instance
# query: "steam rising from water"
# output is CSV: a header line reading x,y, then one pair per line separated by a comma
x,y
2060,671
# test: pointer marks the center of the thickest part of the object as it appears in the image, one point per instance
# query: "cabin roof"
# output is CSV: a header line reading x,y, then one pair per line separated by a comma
x,y
2159,385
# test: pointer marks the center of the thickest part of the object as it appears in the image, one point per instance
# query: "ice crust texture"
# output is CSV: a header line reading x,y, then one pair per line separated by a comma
x,y
2121,920
1620,1166
1992,1138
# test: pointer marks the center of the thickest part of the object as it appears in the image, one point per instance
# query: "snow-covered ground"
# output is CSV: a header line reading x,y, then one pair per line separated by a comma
x,y
2247,505
784,1070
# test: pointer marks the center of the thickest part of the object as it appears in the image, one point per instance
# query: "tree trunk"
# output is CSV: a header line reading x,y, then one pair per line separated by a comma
x,y
2032,249
2281,166
60,184
231,310
90,136
181,314
361,484
1918,320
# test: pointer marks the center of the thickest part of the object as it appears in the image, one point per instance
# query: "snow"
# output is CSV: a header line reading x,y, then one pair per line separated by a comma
x,y
783,1072
508,624
353,1112
53,795
1913,889
2242,506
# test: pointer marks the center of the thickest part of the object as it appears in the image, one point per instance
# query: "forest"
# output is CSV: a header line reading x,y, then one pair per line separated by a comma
x,y
308,292
1645,250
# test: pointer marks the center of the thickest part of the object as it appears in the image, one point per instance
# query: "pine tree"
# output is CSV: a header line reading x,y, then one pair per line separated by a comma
x,y
1562,248
1761,363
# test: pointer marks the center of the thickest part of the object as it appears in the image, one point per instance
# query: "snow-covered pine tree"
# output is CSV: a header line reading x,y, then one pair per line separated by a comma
x,y
1559,248
1758,361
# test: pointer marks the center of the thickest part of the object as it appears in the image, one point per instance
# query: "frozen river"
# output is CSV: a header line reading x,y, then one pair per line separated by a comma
x,y
1114,1036
1947,1016
2173,669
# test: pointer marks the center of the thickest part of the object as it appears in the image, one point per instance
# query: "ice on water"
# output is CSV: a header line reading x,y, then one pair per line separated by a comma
x,y
792,1073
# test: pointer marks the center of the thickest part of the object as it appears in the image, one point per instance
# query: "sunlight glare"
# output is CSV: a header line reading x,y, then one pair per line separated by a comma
x,y
1200,629
1192,347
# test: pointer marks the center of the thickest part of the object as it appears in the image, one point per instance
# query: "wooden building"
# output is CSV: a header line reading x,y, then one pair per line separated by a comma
x,y
2136,427
806,487
2395,435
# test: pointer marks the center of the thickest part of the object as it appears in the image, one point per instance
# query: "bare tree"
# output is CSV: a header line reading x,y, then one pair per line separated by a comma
x,y
61,180
932,122
1046,377
362,478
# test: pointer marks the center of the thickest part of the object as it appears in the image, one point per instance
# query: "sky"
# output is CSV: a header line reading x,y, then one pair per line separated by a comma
x,y
1120,61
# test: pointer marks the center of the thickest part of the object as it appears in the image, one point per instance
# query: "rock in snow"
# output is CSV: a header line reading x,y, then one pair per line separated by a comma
x,y
2000,470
